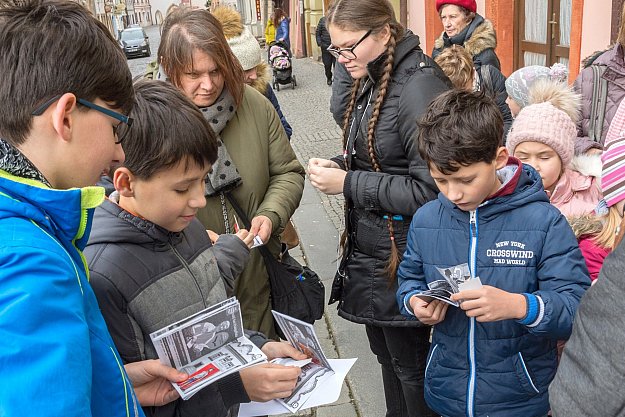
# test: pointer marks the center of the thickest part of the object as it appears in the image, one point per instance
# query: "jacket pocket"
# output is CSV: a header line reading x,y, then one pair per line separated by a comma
x,y
522,371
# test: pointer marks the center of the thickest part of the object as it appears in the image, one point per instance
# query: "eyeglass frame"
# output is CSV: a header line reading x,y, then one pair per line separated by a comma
x,y
111,113
337,52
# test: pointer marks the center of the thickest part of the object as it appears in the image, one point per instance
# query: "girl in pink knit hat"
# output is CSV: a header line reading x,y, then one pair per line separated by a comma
x,y
543,136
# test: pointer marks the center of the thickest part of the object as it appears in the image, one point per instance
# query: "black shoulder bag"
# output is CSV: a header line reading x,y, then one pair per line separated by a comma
x,y
296,290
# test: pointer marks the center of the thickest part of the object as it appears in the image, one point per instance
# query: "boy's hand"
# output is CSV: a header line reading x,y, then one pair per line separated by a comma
x,y
268,381
212,236
246,237
151,381
491,304
428,313
275,350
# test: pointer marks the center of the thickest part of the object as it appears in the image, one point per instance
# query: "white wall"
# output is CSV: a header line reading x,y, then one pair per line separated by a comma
x,y
596,24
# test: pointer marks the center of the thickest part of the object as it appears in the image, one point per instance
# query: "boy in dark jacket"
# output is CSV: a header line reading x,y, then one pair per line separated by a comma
x,y
152,262
495,354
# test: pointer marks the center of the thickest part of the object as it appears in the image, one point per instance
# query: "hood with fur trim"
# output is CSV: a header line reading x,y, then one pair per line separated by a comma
x,y
559,94
589,165
587,225
482,37
264,77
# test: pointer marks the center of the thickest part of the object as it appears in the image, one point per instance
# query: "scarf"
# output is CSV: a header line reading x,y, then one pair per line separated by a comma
x,y
14,162
223,175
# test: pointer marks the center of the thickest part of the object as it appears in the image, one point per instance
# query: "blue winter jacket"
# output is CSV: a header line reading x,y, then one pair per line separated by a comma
x,y
56,355
282,32
518,243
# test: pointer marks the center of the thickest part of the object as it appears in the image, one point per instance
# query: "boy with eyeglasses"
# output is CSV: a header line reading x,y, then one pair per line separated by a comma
x,y
62,103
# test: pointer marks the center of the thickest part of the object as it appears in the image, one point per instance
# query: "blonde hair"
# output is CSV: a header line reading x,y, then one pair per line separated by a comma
x,y
457,64
606,238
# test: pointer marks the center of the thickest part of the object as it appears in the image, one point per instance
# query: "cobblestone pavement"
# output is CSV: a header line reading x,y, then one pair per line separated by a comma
x,y
315,133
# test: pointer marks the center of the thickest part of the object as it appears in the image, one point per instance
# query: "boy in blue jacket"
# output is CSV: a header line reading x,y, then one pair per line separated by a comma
x,y
495,354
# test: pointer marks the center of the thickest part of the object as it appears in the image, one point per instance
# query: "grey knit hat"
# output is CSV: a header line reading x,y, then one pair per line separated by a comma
x,y
246,48
520,81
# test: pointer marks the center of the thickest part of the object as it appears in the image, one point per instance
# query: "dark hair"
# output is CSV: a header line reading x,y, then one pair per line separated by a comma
x,y
460,128
374,15
185,31
50,47
278,14
168,129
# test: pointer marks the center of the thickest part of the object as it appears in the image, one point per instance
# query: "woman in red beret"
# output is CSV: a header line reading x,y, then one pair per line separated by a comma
x,y
463,26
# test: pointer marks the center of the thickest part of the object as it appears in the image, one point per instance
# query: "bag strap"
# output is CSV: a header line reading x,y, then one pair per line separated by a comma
x,y
248,224
598,103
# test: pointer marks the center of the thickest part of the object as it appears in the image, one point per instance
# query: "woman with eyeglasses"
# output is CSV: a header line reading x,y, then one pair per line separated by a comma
x,y
384,181
255,165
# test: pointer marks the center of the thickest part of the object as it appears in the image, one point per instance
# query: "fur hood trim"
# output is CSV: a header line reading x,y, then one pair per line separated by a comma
x,y
559,94
588,225
589,165
264,77
230,21
482,38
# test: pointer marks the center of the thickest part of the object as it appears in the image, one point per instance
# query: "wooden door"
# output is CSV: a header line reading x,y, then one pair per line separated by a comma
x,y
543,32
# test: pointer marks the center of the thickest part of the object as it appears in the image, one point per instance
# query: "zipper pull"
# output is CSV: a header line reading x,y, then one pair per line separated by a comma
x,y
473,222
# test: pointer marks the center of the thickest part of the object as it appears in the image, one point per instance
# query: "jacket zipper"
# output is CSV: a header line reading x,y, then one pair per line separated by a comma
x,y
471,342
186,266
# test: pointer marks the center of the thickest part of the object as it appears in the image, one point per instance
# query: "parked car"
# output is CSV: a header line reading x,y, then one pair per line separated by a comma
x,y
135,42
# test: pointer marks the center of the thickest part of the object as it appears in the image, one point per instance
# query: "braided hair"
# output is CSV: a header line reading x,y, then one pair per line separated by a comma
x,y
374,15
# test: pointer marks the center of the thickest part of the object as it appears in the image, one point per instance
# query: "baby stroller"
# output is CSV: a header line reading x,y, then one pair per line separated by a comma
x,y
279,58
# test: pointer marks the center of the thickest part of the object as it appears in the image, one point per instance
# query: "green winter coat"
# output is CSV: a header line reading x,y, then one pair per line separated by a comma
x,y
272,185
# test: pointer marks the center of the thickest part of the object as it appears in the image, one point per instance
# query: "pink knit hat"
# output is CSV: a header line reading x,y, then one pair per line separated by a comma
x,y
613,158
546,124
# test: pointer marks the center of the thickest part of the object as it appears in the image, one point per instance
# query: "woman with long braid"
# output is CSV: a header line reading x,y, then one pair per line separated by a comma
x,y
384,181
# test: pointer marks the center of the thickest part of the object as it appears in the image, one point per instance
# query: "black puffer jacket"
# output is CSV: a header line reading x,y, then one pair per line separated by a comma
x,y
146,278
403,185
494,82
478,38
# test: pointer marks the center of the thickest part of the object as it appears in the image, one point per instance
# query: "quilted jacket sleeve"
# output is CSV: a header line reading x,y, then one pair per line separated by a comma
x,y
562,280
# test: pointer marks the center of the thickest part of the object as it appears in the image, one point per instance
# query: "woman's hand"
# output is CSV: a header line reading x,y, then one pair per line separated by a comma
x,y
261,227
320,162
327,180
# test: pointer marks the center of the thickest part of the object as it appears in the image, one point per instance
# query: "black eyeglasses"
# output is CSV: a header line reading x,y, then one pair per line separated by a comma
x,y
347,53
115,115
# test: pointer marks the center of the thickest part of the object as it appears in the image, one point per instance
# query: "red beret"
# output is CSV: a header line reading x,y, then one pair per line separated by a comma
x,y
470,5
